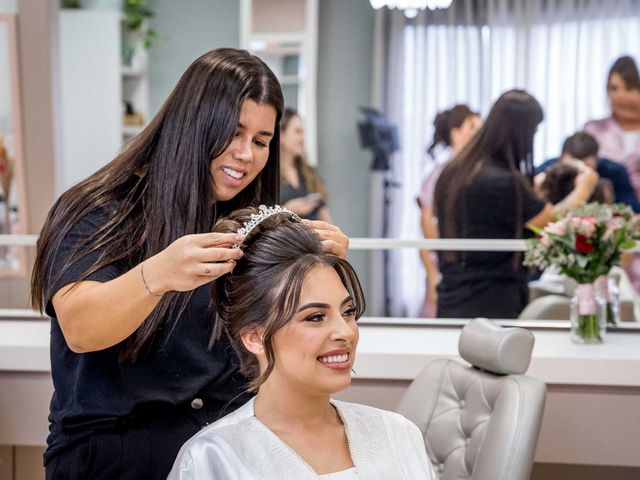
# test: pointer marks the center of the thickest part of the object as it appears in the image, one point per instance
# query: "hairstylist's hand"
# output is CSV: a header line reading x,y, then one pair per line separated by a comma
x,y
191,261
332,238
586,176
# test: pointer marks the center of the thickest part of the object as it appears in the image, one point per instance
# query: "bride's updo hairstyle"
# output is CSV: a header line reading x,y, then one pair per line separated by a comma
x,y
264,288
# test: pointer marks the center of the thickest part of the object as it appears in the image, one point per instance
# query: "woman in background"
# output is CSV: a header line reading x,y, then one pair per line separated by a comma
x,y
453,129
302,190
291,310
619,134
486,192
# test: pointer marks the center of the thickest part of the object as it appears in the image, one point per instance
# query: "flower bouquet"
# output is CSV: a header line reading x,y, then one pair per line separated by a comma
x,y
584,244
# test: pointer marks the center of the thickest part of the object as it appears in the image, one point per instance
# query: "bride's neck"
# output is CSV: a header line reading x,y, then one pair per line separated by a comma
x,y
282,407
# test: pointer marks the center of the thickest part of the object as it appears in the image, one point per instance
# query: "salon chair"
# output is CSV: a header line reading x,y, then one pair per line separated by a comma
x,y
547,307
481,421
555,285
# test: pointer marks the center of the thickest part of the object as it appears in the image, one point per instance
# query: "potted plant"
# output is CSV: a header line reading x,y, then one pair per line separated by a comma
x,y
137,13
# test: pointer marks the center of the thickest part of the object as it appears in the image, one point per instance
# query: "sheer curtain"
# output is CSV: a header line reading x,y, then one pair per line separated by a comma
x,y
558,50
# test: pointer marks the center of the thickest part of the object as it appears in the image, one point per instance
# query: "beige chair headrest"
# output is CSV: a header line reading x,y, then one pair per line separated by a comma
x,y
496,349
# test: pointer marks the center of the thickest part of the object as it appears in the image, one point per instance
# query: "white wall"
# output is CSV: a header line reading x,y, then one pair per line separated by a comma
x,y
91,93
187,30
345,52
8,6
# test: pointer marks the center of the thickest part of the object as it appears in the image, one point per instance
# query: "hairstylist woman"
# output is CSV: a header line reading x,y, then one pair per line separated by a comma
x,y
122,266
487,192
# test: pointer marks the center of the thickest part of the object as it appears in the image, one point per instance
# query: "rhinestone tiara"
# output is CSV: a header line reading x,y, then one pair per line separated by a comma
x,y
264,212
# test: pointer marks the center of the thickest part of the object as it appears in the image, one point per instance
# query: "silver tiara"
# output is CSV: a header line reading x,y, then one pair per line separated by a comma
x,y
264,212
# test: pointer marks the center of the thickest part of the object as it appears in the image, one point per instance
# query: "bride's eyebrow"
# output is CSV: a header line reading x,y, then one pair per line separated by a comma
x,y
323,305
314,305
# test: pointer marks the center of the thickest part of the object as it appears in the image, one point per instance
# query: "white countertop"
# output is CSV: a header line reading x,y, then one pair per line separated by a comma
x,y
398,353
24,345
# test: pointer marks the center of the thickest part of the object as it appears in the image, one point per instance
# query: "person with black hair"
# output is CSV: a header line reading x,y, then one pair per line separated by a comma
x,y
582,146
291,312
560,180
123,264
452,130
487,192
618,135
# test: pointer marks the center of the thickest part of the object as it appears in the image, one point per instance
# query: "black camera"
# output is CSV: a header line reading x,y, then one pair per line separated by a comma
x,y
378,134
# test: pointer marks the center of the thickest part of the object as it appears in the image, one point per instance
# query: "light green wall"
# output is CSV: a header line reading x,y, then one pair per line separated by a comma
x,y
345,46
190,28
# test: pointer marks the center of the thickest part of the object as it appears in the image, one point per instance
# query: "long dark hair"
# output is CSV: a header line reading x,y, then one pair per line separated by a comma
x,y
160,187
312,179
264,288
446,121
506,139
628,70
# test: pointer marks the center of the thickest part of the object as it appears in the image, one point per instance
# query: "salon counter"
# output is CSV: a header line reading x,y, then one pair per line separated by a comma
x,y
594,390
398,353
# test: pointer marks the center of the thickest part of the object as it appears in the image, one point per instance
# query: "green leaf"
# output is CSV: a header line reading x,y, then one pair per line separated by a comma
x,y
582,260
627,244
534,229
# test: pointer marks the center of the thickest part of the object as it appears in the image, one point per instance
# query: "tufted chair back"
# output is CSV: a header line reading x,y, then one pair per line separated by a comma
x,y
480,422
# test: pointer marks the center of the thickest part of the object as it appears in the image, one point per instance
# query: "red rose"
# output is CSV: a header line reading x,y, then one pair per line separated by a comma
x,y
583,245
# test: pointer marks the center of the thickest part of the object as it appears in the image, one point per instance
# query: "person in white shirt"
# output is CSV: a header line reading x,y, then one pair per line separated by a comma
x,y
291,313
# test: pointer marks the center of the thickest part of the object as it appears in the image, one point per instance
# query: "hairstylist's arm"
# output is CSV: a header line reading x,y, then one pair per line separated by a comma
x,y
332,238
97,315
545,216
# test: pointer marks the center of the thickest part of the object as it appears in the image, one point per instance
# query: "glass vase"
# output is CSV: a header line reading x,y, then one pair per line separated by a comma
x,y
607,287
588,315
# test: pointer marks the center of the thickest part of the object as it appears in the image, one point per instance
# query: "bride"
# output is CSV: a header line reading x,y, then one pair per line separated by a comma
x,y
291,311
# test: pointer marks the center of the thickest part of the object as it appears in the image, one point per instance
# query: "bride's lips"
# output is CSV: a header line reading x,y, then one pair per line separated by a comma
x,y
338,359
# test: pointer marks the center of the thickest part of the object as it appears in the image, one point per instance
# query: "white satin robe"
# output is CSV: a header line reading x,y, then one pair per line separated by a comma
x,y
384,445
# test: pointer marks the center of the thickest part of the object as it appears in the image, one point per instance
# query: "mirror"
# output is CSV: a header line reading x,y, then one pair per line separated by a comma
x,y
345,45
470,56
12,191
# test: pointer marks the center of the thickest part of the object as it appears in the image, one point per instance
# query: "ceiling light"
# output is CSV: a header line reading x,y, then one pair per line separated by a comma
x,y
411,7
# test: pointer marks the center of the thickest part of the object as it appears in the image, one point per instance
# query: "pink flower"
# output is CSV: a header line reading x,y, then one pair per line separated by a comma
x,y
613,226
545,241
584,225
556,228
